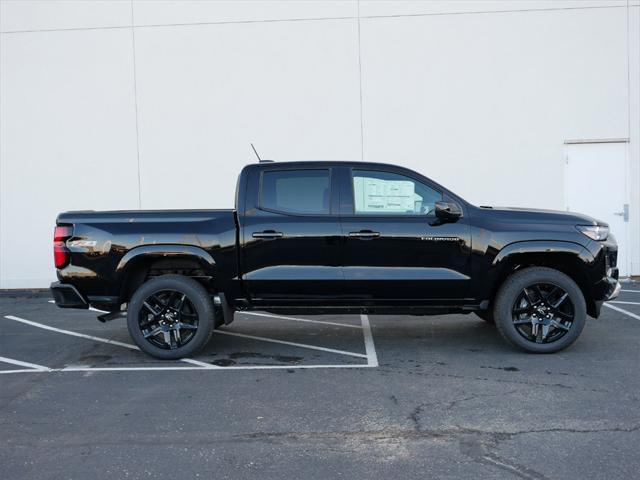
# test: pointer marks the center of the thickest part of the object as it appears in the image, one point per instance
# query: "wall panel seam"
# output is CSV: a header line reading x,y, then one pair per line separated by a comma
x,y
360,86
135,103
366,17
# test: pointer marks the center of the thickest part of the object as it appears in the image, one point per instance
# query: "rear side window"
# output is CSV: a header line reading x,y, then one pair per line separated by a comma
x,y
296,191
386,193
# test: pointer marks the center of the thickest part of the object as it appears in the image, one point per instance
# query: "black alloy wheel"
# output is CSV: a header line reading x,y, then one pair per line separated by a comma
x,y
168,319
171,317
540,310
543,313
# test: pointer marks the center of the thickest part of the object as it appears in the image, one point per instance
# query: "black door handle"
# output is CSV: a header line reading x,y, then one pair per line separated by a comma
x,y
267,234
364,234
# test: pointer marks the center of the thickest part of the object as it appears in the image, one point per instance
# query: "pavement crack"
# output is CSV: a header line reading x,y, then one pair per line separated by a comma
x,y
474,396
450,434
414,416
481,448
510,381
455,433
416,413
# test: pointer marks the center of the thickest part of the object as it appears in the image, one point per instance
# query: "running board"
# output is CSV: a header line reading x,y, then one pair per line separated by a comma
x,y
107,317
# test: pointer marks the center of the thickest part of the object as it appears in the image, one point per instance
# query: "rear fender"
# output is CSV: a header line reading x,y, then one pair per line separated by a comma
x,y
146,252
133,267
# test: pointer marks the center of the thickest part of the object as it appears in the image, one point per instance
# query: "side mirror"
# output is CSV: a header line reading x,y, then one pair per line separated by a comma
x,y
448,211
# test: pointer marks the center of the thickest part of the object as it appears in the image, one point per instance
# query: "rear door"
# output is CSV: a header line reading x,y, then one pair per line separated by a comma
x,y
290,237
396,251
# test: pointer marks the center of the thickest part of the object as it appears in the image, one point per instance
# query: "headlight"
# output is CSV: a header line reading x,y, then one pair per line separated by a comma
x,y
597,232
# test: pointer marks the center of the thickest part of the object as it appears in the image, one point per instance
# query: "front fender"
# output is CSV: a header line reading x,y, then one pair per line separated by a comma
x,y
542,247
569,257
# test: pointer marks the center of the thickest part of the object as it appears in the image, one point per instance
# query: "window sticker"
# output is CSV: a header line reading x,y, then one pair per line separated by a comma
x,y
378,195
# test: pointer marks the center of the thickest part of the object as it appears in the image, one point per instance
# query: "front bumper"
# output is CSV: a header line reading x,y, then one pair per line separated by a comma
x,y
66,296
612,289
615,292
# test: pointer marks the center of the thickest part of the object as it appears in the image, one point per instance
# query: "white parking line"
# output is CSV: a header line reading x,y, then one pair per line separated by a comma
x,y
626,303
371,356
20,363
622,310
293,344
95,339
631,291
69,332
260,314
232,367
90,308
370,348
28,370
196,362
214,367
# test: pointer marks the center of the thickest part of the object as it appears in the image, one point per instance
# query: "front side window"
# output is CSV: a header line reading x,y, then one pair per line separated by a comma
x,y
386,193
296,191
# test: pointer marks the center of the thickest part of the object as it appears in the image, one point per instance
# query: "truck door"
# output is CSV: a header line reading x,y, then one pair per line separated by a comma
x,y
290,234
396,251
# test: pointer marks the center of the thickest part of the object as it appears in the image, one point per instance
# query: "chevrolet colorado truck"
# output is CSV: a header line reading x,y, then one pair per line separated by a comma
x,y
336,237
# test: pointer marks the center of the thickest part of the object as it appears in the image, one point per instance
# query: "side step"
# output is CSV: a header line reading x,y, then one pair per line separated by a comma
x,y
107,317
219,301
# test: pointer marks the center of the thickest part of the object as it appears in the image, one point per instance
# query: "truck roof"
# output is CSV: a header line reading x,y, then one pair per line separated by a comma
x,y
265,163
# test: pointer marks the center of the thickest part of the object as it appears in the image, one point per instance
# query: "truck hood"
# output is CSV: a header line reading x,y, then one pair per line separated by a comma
x,y
540,216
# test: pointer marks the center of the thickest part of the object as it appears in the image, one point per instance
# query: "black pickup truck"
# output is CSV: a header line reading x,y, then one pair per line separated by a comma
x,y
336,237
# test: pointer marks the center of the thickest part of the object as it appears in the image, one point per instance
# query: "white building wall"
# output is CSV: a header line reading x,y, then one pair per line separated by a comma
x,y
152,104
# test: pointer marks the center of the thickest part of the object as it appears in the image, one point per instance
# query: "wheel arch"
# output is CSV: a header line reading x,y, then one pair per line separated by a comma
x,y
141,262
570,258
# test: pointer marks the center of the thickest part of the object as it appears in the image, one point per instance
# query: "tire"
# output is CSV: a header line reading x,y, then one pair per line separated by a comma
x,y
164,294
530,296
486,315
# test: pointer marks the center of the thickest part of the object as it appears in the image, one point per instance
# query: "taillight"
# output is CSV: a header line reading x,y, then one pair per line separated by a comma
x,y
60,251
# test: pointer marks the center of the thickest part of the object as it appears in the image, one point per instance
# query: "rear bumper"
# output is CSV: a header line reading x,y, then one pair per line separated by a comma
x,y
66,296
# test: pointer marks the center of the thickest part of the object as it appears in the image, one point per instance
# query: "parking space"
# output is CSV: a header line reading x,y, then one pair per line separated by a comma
x,y
272,396
256,340
628,301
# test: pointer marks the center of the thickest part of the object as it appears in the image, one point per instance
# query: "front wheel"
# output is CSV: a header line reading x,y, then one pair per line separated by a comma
x,y
171,317
540,310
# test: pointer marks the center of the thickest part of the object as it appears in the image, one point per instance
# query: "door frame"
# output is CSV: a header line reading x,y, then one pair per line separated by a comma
x,y
628,187
253,212
440,275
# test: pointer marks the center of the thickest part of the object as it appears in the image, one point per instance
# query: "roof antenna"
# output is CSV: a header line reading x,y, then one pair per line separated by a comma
x,y
259,159
256,152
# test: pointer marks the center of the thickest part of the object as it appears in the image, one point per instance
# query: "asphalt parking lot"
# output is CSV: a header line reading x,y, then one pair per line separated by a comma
x,y
317,397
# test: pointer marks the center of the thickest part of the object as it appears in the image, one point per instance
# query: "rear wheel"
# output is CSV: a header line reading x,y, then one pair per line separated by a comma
x,y
540,310
171,317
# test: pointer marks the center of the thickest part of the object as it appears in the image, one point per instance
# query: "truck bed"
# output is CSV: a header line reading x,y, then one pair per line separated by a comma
x,y
106,246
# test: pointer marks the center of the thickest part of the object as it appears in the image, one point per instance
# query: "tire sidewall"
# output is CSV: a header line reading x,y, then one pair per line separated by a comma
x,y
514,285
201,301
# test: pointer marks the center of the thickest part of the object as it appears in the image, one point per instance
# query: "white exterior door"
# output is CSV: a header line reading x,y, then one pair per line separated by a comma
x,y
596,185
